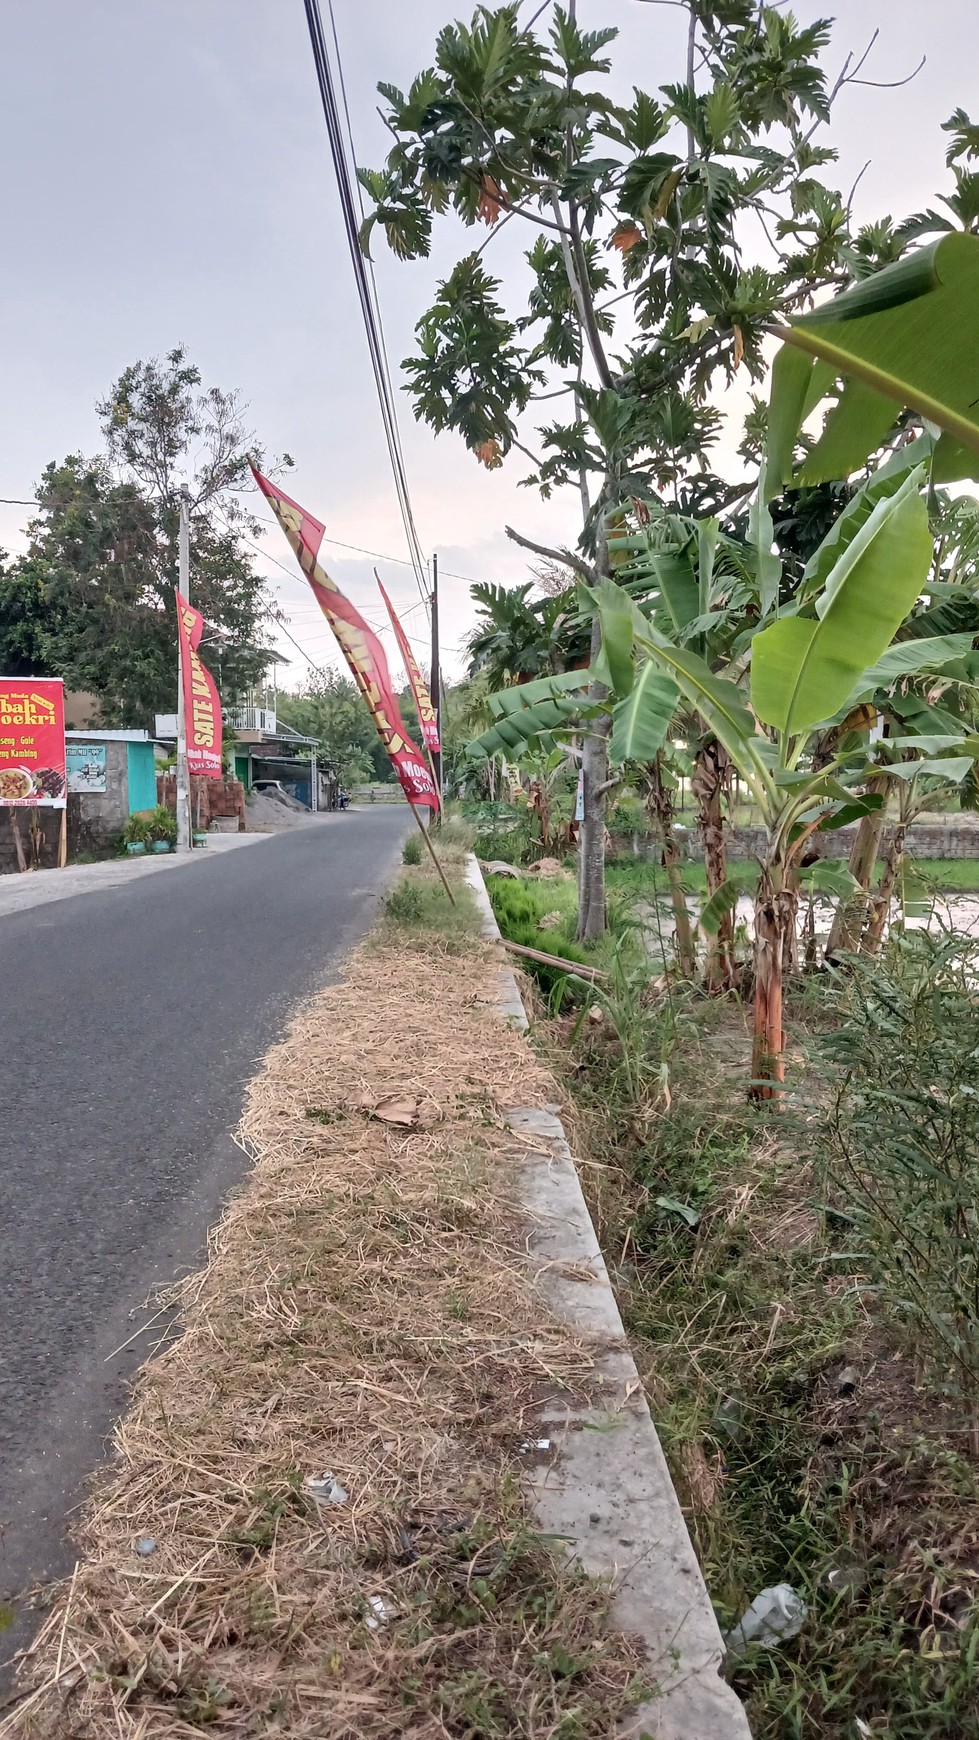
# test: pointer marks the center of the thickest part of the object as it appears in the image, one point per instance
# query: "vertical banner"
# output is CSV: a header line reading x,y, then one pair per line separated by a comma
x,y
33,773
358,643
201,701
419,688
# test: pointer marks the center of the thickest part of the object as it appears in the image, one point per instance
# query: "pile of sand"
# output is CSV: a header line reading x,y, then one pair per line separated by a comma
x,y
268,811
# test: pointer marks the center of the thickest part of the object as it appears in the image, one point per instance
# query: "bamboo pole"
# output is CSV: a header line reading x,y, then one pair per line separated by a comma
x,y
63,840
592,974
431,848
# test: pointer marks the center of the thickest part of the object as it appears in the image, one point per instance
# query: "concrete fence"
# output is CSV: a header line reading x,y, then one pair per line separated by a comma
x,y
932,840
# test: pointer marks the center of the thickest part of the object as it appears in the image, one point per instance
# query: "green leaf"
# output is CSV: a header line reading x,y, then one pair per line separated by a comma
x,y
857,512
520,695
932,744
618,614
708,532
674,575
951,767
907,333
720,704
722,901
683,1209
829,876
908,658
853,812
856,426
802,670
761,533
531,710
640,721
722,113
792,373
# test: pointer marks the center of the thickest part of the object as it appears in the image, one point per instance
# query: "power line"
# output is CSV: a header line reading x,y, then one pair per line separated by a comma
x,y
344,162
376,555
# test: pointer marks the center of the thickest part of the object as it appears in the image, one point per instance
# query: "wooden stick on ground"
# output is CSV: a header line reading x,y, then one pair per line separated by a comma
x,y
578,967
424,834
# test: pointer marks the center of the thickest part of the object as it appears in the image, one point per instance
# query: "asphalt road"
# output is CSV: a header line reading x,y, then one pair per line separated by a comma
x,y
130,1022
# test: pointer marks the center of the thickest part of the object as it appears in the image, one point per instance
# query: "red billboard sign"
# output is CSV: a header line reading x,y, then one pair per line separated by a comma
x,y
32,743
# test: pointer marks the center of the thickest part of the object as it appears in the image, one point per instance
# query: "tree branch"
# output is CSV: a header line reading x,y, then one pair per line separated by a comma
x,y
691,85
566,558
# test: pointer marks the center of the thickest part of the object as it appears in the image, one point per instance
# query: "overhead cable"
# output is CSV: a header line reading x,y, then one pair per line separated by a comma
x,y
341,149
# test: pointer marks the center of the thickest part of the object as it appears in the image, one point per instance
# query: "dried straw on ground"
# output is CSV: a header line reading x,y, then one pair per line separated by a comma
x,y
365,1314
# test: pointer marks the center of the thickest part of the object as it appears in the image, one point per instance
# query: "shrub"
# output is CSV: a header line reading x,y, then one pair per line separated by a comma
x,y
162,824
511,843
406,903
137,829
905,1137
411,851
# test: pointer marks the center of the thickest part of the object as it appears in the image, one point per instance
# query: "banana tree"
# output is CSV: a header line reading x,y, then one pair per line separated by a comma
x,y
806,667
903,337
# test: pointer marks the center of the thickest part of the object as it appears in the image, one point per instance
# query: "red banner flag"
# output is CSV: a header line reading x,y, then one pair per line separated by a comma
x,y
358,643
419,687
202,703
32,743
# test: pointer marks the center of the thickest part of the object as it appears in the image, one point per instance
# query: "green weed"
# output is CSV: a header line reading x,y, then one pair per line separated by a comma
x,y
411,851
406,903
743,1300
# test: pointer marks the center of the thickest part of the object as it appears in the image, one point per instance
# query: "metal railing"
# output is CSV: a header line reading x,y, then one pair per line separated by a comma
x,y
251,719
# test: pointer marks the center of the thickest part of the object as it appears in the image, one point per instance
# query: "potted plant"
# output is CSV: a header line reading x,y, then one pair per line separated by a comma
x,y
162,823
135,835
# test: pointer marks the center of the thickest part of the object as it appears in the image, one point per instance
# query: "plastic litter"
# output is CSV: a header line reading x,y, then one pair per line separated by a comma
x,y
774,1615
729,1418
848,1577
325,1488
847,1380
536,1444
146,1546
379,1614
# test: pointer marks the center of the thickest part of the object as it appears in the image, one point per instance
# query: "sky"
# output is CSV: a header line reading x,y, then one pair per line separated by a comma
x,y
168,180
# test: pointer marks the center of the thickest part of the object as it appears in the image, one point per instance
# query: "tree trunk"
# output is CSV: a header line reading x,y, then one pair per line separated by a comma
x,y
774,914
710,779
881,904
592,920
659,804
849,916
790,932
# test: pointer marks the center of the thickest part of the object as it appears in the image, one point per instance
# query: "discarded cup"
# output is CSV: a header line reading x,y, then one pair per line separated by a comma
x,y
325,1488
774,1615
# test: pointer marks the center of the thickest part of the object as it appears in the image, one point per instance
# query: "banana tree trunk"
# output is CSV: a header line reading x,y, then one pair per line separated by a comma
x,y
710,779
881,905
659,804
849,917
775,916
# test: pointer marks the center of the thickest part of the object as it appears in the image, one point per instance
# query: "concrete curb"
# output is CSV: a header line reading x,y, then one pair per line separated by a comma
x,y
608,1490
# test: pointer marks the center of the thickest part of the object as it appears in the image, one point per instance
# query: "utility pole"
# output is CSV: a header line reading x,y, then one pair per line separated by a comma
x,y
436,687
183,778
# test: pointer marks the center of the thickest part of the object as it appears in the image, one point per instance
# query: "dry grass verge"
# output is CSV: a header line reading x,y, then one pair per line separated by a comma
x,y
365,1320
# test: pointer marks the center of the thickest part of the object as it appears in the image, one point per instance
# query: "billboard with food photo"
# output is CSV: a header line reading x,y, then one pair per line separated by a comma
x,y
32,743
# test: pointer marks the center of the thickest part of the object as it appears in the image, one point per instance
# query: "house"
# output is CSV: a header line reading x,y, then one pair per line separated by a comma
x,y
262,749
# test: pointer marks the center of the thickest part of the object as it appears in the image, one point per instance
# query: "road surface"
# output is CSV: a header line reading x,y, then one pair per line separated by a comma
x,y
130,1021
